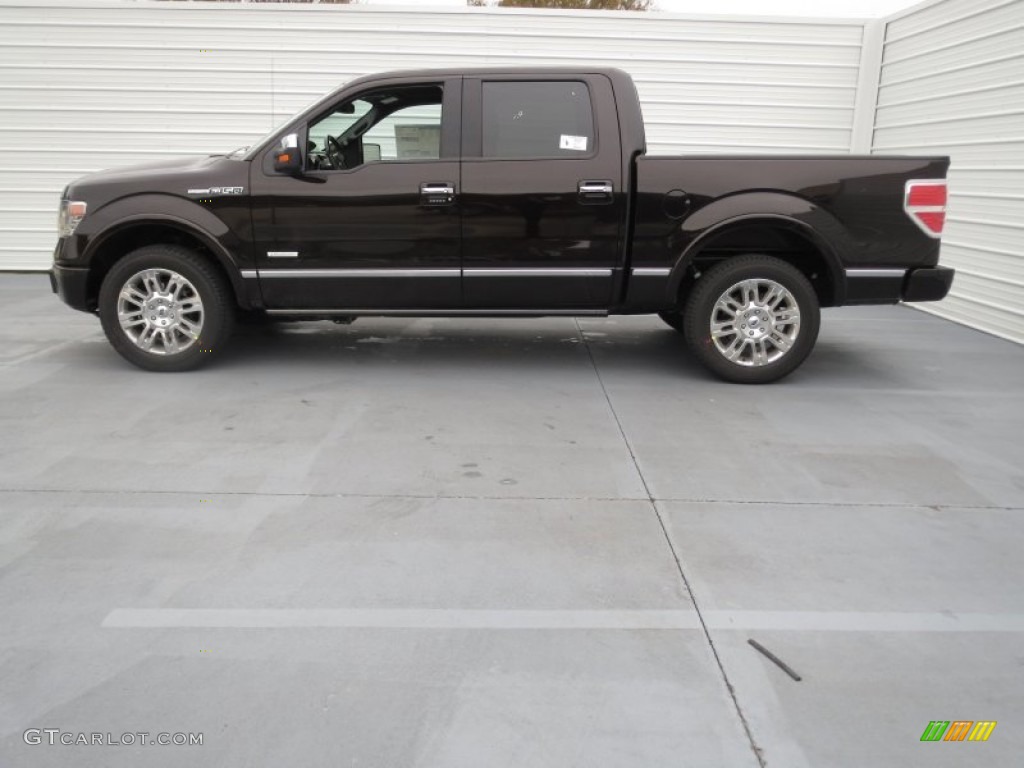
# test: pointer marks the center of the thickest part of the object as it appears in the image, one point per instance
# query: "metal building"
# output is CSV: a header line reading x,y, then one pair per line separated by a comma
x,y
99,83
952,82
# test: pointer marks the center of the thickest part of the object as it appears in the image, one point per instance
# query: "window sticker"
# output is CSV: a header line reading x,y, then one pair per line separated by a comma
x,y
576,143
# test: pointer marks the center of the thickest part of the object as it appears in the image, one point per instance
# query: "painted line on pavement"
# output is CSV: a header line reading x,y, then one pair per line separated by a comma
x,y
433,618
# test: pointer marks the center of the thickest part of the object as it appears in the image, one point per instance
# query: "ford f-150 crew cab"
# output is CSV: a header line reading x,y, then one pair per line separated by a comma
x,y
496,192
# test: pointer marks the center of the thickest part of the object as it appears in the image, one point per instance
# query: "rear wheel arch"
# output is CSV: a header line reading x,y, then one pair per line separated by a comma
x,y
781,237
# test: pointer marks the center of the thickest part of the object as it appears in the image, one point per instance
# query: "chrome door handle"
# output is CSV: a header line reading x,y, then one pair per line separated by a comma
x,y
437,193
595,192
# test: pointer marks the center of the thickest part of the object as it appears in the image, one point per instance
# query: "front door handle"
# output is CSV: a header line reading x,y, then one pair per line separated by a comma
x,y
437,193
595,192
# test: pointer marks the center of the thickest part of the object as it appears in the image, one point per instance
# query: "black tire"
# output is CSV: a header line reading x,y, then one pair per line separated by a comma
x,y
769,342
672,319
188,329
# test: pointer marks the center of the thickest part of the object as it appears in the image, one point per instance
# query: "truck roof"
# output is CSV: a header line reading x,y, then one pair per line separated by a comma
x,y
612,72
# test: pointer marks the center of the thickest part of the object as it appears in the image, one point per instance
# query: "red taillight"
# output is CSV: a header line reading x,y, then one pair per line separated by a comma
x,y
926,194
933,221
925,203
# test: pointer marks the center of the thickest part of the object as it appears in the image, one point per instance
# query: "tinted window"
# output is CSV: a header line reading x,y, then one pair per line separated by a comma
x,y
550,119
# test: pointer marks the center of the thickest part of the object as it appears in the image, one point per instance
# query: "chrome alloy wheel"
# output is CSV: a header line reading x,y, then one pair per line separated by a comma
x,y
755,322
160,311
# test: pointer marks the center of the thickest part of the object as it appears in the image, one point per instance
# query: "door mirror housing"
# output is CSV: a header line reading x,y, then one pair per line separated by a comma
x,y
288,158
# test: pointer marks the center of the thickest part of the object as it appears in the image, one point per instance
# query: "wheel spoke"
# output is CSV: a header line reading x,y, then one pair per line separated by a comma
x,y
718,330
760,352
189,328
781,342
174,286
776,295
735,349
133,295
748,290
149,280
146,338
171,343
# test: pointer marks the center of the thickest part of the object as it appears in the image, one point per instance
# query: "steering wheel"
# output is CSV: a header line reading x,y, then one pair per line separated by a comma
x,y
335,152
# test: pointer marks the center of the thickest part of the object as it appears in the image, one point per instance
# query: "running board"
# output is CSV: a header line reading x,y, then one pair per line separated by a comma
x,y
439,312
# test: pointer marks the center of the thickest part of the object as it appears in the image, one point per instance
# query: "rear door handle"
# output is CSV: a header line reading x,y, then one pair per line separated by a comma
x,y
595,192
437,193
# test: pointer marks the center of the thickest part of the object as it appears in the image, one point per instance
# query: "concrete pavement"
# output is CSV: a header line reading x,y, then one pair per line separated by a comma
x,y
509,543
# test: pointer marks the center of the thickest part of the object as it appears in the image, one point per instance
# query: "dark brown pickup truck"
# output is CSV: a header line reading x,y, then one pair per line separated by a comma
x,y
496,192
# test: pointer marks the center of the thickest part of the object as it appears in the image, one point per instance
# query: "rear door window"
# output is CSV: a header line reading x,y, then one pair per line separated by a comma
x,y
536,120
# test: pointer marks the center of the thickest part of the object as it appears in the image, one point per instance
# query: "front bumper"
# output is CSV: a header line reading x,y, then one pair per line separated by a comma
x,y
72,285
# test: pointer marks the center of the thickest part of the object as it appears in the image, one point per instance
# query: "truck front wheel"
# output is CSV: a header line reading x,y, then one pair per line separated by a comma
x,y
164,308
752,319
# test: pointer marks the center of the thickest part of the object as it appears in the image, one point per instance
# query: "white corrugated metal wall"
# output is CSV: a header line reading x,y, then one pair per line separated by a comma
x,y
952,82
94,84
89,85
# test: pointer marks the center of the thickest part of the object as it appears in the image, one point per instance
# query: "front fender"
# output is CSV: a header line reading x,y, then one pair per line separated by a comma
x,y
797,214
187,216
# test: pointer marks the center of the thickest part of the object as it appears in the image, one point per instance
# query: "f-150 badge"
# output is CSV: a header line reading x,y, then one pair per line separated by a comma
x,y
217,191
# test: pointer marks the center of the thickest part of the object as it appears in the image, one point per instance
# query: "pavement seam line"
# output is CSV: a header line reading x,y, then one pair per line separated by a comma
x,y
672,549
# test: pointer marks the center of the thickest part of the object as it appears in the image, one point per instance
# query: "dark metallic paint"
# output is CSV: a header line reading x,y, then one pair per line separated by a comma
x,y
522,214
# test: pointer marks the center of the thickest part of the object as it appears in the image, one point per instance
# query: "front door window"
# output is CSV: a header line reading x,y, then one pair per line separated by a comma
x,y
399,124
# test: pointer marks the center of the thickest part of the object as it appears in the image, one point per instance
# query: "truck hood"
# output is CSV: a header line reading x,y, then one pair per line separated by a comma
x,y
175,177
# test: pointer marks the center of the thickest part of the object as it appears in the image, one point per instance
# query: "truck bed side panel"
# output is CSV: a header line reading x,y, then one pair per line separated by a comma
x,y
849,207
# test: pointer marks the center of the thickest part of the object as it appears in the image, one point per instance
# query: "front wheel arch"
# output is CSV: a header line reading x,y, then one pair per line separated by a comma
x,y
129,236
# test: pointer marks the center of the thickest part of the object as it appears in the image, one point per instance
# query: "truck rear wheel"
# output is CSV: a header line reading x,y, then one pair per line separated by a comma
x,y
163,308
752,319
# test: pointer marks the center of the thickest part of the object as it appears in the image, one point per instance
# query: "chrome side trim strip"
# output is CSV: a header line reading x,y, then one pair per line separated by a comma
x,y
282,254
652,271
315,273
445,312
551,272
250,274
876,273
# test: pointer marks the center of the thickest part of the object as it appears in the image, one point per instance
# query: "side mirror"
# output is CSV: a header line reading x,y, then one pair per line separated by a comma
x,y
288,159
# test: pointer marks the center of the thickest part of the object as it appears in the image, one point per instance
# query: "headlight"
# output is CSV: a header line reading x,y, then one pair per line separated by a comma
x,y
71,212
